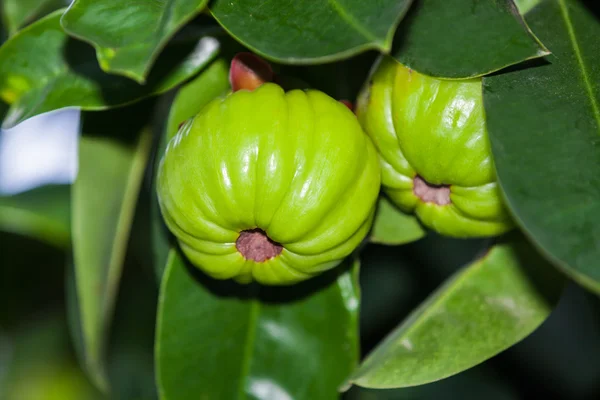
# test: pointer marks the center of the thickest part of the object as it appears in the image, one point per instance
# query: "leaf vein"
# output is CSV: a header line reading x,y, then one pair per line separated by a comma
x,y
349,18
584,73
248,346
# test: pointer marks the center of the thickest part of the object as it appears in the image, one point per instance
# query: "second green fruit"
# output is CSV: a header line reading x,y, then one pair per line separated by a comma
x,y
434,151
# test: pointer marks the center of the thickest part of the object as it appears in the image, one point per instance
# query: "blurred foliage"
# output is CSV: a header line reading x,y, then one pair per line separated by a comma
x,y
558,361
41,343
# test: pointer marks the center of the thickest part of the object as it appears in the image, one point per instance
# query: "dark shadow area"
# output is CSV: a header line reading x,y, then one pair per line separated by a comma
x,y
560,359
31,278
341,80
527,64
268,294
123,123
593,6
392,285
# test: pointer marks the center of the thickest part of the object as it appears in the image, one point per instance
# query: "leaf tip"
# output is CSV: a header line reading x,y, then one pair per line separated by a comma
x,y
344,387
106,56
543,52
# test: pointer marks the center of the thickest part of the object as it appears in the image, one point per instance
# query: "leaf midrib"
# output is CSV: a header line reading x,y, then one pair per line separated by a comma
x,y
248,346
350,20
124,223
584,73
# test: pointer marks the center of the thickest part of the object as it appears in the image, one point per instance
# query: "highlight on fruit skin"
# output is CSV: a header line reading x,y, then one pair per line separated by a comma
x,y
434,151
269,186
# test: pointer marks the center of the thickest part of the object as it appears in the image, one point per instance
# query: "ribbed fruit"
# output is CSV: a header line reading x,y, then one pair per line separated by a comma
x,y
269,186
434,151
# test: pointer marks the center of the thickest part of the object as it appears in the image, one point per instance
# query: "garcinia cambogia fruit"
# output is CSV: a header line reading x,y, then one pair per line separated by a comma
x,y
434,151
268,185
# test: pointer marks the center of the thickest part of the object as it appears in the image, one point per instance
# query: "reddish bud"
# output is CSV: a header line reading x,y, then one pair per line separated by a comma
x,y
182,123
348,104
248,71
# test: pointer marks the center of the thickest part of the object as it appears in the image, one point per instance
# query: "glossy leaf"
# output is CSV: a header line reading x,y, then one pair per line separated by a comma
x,y
190,99
128,35
544,127
42,213
217,339
485,308
463,38
130,355
393,227
104,197
17,13
41,70
301,32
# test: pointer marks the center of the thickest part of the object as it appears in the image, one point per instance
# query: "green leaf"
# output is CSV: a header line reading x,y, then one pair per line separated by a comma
x,y
464,38
104,197
525,5
190,99
544,127
393,227
17,13
301,32
128,35
130,355
482,310
42,213
220,340
41,70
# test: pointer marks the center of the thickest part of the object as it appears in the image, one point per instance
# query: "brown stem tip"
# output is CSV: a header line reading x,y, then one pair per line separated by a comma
x,y
429,193
255,245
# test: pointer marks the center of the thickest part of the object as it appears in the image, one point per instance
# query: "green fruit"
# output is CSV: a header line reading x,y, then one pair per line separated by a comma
x,y
434,151
269,186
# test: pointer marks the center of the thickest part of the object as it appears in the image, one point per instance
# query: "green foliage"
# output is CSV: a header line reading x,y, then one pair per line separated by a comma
x,y
487,307
101,226
256,342
393,227
41,213
462,38
137,70
42,69
128,35
17,13
316,32
545,120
